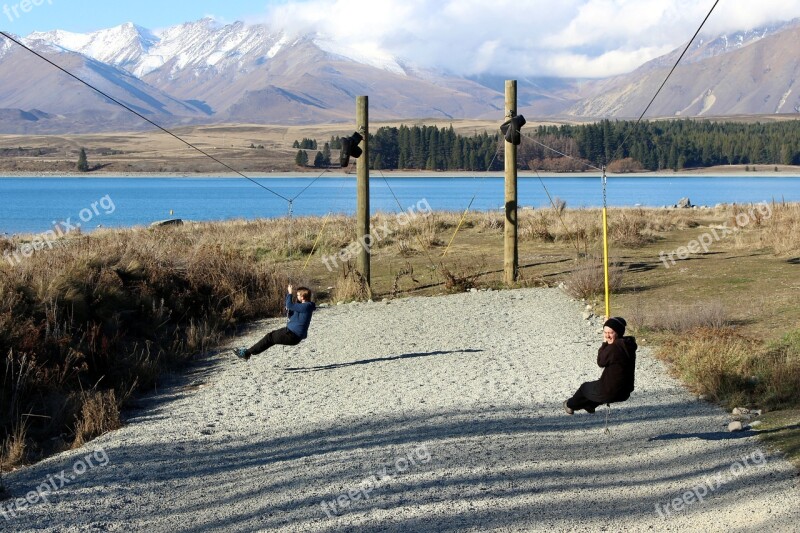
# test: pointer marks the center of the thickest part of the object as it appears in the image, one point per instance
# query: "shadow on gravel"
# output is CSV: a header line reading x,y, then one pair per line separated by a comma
x,y
714,435
489,468
378,360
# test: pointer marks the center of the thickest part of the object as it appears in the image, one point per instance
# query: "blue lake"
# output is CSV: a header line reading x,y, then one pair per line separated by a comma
x,y
32,205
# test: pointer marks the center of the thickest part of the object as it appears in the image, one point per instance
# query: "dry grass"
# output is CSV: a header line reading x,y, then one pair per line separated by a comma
x,y
674,318
14,447
351,285
631,229
781,231
110,311
460,277
587,280
115,309
735,370
99,415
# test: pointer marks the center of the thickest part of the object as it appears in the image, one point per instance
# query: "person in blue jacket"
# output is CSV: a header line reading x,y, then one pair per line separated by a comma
x,y
294,332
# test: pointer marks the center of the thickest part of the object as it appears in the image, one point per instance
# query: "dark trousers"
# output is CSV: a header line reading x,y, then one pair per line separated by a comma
x,y
580,400
279,336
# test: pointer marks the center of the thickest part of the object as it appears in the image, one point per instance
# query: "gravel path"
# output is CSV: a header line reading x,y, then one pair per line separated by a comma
x,y
424,414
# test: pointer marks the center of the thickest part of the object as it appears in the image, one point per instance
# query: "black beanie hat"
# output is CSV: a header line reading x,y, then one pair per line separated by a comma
x,y
617,323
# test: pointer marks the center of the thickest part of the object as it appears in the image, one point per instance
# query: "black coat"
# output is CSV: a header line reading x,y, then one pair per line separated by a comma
x,y
618,361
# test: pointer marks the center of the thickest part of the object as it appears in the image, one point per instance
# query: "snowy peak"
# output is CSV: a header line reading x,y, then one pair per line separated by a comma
x,y
710,46
199,46
5,45
707,47
205,44
122,46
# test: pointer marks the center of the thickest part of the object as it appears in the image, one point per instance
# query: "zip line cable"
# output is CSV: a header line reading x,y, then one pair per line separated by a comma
x,y
574,242
298,195
149,121
466,211
289,201
324,225
402,210
649,105
584,163
669,75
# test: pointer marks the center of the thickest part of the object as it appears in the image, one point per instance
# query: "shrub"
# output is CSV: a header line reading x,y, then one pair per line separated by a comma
x,y
713,362
735,370
460,278
588,279
109,312
99,415
629,229
350,285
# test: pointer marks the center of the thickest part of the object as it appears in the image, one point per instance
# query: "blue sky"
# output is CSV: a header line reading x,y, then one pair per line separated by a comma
x,y
583,38
90,15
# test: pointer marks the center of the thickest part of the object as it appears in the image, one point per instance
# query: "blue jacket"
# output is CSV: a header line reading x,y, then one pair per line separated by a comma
x,y
299,316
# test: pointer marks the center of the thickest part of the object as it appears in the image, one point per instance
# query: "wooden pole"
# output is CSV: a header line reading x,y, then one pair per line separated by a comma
x,y
363,231
511,256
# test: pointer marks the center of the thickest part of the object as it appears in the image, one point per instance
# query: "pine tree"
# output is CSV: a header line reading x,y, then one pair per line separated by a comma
x,y
301,160
83,163
326,154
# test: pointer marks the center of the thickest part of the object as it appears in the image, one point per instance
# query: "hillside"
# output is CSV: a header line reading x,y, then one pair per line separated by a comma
x,y
204,72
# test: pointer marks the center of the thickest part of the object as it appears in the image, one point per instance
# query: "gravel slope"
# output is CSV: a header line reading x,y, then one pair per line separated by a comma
x,y
424,414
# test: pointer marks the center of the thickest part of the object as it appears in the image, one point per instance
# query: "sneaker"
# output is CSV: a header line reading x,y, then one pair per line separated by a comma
x,y
241,353
567,409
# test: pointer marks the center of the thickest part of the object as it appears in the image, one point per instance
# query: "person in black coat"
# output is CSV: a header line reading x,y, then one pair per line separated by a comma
x,y
617,358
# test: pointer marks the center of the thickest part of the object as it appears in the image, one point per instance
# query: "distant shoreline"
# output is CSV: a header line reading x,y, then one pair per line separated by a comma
x,y
722,172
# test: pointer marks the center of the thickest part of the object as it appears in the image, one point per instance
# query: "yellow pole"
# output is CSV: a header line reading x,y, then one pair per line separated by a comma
x,y
605,247
605,262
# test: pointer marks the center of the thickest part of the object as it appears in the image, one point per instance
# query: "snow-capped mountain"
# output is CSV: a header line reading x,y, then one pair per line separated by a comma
x,y
199,45
746,73
5,46
126,46
242,72
706,48
204,71
46,98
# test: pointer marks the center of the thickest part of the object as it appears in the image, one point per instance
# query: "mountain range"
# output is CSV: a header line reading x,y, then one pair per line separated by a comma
x,y
207,72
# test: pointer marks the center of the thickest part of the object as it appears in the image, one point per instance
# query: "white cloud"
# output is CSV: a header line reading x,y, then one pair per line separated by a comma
x,y
593,38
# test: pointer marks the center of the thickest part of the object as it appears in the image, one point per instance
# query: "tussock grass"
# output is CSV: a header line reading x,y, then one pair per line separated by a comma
x,y
674,318
735,370
12,449
99,415
350,285
781,231
587,280
108,313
